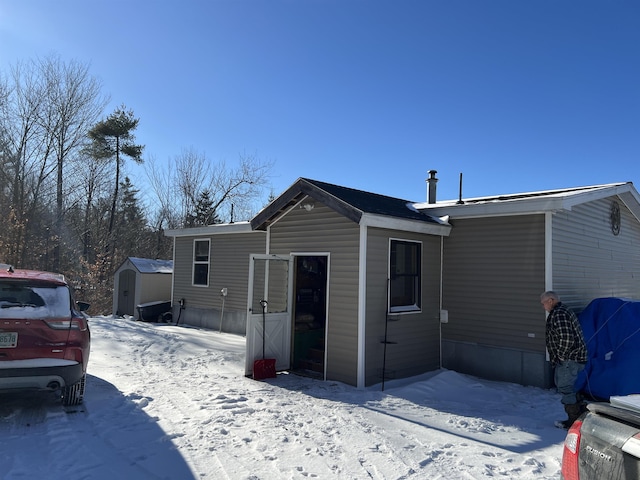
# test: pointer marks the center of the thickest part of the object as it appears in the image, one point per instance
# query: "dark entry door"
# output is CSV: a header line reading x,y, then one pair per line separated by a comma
x,y
310,314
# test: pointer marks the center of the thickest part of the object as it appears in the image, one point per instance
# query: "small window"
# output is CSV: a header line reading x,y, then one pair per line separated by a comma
x,y
404,276
201,262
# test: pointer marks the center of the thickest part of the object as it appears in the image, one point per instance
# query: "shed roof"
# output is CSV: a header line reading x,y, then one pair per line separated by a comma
x,y
148,265
357,205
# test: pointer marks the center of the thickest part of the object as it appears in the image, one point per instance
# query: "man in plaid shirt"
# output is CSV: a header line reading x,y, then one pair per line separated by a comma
x,y
567,351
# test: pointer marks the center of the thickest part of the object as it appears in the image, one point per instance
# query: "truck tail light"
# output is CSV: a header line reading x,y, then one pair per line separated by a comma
x,y
570,452
632,446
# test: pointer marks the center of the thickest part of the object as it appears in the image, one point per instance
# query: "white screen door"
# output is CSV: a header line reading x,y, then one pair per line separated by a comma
x,y
269,331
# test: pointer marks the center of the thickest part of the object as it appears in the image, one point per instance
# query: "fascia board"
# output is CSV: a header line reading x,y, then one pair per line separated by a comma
x,y
522,206
220,229
392,223
597,194
284,213
538,205
567,202
632,202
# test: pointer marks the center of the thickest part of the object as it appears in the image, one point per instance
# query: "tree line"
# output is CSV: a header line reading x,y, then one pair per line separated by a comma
x,y
66,202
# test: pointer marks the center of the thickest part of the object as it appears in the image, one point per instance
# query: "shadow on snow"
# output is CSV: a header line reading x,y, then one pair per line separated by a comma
x,y
109,436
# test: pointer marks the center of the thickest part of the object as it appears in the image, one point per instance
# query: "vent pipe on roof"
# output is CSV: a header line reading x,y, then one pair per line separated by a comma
x,y
460,201
431,186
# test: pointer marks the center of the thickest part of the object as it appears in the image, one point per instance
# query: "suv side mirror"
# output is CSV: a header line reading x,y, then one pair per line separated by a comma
x,y
83,306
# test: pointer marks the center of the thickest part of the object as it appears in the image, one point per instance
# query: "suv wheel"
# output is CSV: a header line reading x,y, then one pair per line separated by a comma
x,y
73,394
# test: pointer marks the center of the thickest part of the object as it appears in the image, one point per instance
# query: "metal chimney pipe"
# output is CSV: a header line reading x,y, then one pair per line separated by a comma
x,y
431,186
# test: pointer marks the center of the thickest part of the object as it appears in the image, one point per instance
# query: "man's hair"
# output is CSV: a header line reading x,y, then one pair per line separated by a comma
x,y
550,294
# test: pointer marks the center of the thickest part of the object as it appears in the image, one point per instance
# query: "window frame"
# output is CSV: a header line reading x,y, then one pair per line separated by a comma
x,y
416,293
199,263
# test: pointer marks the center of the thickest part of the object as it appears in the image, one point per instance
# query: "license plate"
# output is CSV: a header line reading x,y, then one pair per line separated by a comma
x,y
8,339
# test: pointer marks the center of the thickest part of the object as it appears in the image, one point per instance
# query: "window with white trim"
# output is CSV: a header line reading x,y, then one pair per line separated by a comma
x,y
201,262
404,275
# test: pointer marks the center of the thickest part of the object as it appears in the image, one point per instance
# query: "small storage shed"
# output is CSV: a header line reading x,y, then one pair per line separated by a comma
x,y
139,281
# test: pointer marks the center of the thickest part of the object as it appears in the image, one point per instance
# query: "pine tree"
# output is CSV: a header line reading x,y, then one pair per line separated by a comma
x,y
205,211
131,224
113,138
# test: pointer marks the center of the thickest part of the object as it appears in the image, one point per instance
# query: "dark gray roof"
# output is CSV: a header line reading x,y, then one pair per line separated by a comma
x,y
349,202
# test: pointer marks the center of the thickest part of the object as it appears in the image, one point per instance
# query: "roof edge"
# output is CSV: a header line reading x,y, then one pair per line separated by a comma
x,y
401,224
217,229
532,202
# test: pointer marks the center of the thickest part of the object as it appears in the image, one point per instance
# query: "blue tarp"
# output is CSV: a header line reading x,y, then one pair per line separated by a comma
x,y
611,328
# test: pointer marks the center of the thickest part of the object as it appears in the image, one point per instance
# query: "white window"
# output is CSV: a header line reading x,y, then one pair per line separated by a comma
x,y
201,262
404,275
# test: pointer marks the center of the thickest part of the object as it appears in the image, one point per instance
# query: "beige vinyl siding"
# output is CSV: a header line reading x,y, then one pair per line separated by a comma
x,y
493,277
589,261
324,231
416,347
182,264
228,268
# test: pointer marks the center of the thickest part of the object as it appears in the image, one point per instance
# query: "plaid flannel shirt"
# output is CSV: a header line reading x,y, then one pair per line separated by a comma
x,y
564,337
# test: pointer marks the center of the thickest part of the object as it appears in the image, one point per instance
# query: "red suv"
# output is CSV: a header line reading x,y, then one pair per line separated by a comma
x,y
44,336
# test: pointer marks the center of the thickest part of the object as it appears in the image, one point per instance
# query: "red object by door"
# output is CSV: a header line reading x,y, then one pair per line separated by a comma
x,y
264,368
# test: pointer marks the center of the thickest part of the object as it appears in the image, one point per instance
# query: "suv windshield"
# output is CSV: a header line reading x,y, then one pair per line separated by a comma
x,y
33,301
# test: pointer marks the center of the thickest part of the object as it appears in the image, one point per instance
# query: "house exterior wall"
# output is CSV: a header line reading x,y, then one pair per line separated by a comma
x,y
322,230
493,275
228,268
416,336
589,261
495,271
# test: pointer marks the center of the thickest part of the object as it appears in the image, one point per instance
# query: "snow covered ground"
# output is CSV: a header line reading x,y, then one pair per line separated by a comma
x,y
171,402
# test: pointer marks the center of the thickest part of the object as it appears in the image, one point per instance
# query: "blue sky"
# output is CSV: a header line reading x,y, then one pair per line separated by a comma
x,y
517,95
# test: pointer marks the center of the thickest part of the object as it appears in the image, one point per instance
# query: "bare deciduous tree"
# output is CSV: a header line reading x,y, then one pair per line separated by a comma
x,y
26,157
60,199
94,186
47,109
73,104
179,186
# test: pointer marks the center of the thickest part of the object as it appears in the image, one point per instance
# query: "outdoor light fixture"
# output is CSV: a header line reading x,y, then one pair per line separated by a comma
x,y
308,206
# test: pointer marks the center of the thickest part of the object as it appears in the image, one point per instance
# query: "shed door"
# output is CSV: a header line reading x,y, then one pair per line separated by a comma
x,y
270,279
126,293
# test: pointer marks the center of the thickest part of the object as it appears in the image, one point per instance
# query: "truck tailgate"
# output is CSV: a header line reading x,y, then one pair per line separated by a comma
x,y
609,444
